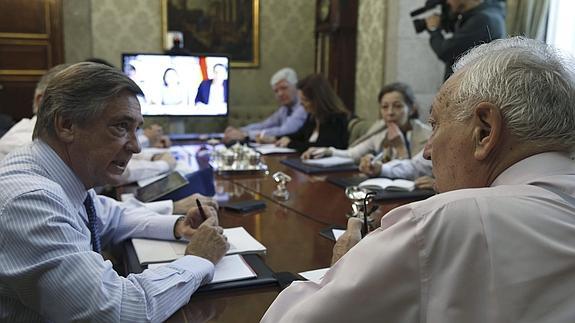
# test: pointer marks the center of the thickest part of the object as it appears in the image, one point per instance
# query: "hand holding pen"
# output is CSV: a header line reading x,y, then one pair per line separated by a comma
x,y
207,241
204,218
196,217
377,158
370,165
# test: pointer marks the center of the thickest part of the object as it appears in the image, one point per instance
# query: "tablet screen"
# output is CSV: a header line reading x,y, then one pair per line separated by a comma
x,y
161,187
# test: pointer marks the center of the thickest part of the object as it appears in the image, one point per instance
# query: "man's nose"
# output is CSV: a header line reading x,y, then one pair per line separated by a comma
x,y
133,144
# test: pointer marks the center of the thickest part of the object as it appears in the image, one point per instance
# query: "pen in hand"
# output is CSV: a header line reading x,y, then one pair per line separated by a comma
x,y
201,209
377,158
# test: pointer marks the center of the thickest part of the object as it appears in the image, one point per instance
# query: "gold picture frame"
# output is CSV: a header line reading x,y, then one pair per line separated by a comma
x,y
228,27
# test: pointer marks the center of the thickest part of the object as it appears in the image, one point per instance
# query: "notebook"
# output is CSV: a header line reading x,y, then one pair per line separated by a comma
x,y
230,268
329,161
297,163
382,195
268,149
402,185
150,251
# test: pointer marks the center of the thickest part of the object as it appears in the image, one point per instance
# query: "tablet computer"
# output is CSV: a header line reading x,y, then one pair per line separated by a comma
x,y
161,187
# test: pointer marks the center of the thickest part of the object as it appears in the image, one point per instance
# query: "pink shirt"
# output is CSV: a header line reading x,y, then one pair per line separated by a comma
x,y
504,253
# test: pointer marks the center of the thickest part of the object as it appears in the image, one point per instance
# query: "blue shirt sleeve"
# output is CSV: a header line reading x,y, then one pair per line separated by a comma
x,y
279,123
49,272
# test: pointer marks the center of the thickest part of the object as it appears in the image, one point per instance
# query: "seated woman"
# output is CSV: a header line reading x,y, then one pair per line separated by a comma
x,y
326,123
398,137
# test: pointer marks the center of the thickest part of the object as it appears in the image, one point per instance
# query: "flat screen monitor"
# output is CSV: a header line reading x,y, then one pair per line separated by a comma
x,y
174,85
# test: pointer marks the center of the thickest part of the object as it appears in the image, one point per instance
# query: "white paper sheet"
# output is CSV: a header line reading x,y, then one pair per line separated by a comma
x,y
314,275
151,251
329,161
230,268
268,149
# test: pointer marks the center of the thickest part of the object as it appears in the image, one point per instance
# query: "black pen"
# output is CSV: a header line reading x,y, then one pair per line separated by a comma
x,y
202,213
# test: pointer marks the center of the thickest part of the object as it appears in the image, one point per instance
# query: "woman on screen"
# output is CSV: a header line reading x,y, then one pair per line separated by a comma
x,y
172,92
214,92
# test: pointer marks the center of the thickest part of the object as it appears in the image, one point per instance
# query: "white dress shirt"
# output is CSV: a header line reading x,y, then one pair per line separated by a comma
x,y
19,135
504,253
48,271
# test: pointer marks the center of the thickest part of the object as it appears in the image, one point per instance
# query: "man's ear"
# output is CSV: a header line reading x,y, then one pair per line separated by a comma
x,y
65,129
37,100
488,125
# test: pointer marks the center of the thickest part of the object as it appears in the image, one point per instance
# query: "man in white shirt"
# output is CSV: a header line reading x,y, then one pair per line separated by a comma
x,y
498,243
287,119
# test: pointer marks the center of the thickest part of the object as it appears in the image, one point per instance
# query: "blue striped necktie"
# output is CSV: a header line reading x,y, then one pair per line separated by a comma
x,y
92,223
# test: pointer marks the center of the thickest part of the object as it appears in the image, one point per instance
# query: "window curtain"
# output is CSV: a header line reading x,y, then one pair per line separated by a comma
x,y
528,18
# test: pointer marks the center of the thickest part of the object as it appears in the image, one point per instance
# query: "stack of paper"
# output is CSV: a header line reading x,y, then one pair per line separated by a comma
x,y
329,161
157,251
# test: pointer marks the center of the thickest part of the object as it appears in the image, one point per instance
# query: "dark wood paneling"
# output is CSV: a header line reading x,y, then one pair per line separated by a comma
x,y
27,16
18,94
335,51
25,55
30,44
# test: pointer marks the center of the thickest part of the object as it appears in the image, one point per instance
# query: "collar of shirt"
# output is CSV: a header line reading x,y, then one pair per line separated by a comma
x,y
530,169
60,173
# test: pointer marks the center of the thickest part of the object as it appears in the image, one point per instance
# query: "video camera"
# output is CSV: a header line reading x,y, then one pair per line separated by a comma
x,y
448,19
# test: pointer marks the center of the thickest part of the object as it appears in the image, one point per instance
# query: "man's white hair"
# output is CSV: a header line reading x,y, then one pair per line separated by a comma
x,y
532,83
287,74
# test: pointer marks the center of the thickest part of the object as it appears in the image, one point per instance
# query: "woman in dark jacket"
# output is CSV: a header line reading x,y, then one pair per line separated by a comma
x,y
326,124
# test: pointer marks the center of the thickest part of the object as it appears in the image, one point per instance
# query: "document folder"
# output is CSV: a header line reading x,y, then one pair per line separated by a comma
x,y
311,169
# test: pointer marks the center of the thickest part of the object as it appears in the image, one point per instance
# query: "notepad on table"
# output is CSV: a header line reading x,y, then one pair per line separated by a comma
x,y
329,161
151,251
314,275
230,268
268,149
389,184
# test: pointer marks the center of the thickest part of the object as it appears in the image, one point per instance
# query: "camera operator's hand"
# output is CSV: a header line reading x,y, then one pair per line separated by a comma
x,y
433,22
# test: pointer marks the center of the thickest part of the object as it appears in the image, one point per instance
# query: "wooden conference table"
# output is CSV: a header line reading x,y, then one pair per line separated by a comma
x,y
289,229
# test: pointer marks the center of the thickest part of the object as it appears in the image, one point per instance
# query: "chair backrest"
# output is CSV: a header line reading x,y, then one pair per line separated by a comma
x,y
357,127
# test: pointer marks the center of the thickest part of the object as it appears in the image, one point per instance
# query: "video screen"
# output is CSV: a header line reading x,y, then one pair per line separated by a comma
x,y
180,85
